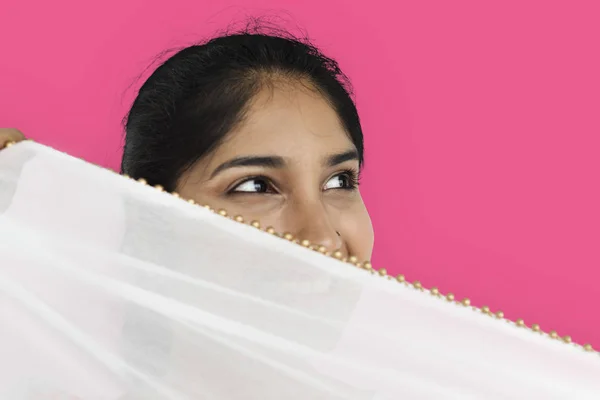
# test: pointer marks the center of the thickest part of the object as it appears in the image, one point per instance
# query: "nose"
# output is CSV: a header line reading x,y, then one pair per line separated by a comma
x,y
315,224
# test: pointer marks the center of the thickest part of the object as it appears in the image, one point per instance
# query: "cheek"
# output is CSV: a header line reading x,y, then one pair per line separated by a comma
x,y
358,232
266,210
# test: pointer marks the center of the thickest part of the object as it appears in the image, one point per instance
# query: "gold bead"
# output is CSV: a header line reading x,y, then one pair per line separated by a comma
x,y
126,176
288,236
567,339
485,309
466,302
142,181
588,347
239,218
383,272
353,259
305,243
9,144
222,212
450,297
434,291
322,249
255,224
191,201
367,265
175,194
401,278
270,230
535,327
520,322
159,188
553,334
417,285
500,314
338,254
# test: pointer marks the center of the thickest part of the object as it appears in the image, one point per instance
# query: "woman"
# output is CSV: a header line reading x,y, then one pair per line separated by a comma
x,y
260,125
263,126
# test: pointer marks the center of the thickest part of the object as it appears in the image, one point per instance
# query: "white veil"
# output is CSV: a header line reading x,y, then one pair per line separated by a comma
x,y
110,289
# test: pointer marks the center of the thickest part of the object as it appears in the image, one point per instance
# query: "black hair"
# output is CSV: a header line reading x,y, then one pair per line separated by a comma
x,y
196,97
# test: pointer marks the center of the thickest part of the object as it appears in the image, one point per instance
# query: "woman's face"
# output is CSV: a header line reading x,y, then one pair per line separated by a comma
x,y
290,165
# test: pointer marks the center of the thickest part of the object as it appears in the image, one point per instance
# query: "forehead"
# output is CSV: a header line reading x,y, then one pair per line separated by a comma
x,y
292,121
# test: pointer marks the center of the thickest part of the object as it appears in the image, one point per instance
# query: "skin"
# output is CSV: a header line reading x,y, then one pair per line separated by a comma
x,y
301,164
289,164
10,135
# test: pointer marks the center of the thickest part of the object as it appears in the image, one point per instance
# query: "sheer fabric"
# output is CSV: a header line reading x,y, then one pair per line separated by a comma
x,y
110,289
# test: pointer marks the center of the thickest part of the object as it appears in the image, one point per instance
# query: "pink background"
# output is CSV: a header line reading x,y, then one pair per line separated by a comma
x,y
482,123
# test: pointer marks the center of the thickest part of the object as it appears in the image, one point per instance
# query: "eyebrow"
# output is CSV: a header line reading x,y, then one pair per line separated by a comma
x,y
350,155
250,161
279,162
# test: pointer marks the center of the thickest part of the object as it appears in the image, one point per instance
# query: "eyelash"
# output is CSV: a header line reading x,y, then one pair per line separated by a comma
x,y
353,178
352,175
268,182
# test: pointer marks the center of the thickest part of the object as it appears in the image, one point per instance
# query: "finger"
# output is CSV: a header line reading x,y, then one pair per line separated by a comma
x,y
8,135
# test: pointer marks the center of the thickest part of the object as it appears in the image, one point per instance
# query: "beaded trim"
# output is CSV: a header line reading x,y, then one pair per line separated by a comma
x,y
366,266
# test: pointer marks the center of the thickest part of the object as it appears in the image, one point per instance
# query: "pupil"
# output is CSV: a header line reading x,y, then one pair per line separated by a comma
x,y
343,181
260,186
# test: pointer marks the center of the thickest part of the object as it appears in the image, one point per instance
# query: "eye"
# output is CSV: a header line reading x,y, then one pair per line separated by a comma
x,y
346,180
253,185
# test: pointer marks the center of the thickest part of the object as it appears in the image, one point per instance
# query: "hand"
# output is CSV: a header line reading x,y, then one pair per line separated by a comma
x,y
10,135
